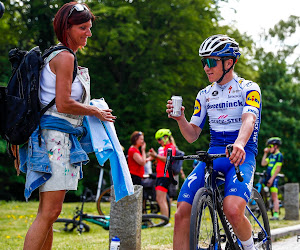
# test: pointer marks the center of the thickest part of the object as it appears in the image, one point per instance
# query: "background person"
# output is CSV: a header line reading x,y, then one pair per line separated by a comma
x,y
233,106
72,26
137,157
163,137
274,162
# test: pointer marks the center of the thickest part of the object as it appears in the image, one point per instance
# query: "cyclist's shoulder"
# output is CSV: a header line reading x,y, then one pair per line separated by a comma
x,y
206,90
279,155
246,84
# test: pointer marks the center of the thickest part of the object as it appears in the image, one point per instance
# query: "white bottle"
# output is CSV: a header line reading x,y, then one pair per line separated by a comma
x,y
115,243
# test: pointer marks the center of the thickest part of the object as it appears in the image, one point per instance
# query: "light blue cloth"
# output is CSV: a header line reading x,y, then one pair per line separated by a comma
x,y
106,145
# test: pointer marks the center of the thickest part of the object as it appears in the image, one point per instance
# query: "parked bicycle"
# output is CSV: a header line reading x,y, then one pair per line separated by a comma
x,y
209,228
69,225
150,205
265,191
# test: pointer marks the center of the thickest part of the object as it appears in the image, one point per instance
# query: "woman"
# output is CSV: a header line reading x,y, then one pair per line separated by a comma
x,y
56,168
137,157
164,138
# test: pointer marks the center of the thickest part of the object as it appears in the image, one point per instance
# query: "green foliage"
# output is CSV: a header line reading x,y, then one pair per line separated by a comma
x,y
143,52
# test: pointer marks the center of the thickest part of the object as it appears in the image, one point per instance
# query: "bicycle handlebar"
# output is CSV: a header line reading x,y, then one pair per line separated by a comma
x,y
265,173
201,156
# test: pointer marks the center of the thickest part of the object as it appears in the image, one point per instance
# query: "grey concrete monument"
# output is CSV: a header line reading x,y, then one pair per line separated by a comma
x,y
291,201
126,220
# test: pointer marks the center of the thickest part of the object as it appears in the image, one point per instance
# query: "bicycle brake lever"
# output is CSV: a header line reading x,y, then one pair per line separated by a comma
x,y
168,167
168,160
237,168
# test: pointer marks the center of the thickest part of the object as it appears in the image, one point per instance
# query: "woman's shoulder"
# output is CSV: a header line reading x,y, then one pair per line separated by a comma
x,y
132,149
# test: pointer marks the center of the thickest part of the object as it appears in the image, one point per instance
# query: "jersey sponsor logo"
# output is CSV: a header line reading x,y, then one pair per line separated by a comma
x,y
197,108
234,96
226,121
233,190
253,99
225,105
215,93
229,89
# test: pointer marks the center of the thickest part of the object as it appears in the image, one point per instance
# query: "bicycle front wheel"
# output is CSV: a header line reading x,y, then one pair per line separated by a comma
x,y
260,224
104,197
202,235
68,225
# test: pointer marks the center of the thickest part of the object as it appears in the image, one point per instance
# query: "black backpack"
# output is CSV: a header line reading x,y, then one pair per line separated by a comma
x,y
176,166
20,110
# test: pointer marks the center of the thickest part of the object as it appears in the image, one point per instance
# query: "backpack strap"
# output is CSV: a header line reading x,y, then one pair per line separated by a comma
x,y
62,47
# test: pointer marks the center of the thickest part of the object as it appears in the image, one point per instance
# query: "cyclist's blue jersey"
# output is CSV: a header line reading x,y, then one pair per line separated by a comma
x,y
224,106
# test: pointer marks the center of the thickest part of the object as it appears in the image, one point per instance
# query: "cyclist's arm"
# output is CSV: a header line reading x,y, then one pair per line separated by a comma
x,y
264,161
189,131
238,154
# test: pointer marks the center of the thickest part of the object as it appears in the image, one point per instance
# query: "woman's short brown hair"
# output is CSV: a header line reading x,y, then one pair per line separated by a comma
x,y
135,136
62,20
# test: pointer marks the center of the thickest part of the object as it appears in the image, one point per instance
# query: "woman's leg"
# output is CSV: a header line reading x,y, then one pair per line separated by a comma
x,y
161,198
40,233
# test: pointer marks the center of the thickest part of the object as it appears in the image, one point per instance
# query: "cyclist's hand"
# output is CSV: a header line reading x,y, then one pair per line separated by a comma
x,y
238,155
270,182
170,109
266,150
152,153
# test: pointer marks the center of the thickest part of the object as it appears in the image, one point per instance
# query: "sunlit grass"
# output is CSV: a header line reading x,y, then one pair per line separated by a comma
x,y
16,218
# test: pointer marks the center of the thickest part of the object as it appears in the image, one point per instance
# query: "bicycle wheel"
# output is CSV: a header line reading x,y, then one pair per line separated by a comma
x,y
202,235
154,220
260,227
68,225
104,197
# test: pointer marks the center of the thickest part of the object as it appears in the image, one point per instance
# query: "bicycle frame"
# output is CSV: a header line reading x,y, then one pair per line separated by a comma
x,y
211,177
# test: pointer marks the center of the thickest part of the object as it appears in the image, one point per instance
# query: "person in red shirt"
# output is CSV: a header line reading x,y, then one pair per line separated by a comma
x,y
163,136
137,157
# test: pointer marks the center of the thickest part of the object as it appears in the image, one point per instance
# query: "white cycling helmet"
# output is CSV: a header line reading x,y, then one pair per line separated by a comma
x,y
221,46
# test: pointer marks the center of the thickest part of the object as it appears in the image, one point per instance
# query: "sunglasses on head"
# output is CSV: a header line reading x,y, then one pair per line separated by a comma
x,y
270,146
210,62
78,7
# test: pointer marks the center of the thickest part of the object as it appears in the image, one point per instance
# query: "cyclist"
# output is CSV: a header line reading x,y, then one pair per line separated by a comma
x,y
233,106
274,162
164,137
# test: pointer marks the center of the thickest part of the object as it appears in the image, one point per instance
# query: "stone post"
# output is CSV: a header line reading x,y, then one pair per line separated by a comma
x,y
291,201
126,219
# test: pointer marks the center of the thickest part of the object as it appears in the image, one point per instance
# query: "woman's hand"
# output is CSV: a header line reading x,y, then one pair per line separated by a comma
x,y
105,115
143,147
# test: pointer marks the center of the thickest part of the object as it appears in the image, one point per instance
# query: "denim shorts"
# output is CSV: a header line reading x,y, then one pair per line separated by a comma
x,y
64,175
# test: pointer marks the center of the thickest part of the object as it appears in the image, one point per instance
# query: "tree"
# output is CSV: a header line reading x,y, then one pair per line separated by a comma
x,y
279,81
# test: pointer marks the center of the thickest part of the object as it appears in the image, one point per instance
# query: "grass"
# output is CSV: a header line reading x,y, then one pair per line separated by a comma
x,y
16,218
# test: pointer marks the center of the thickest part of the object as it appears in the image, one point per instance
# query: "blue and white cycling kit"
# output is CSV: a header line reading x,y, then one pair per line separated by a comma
x,y
225,105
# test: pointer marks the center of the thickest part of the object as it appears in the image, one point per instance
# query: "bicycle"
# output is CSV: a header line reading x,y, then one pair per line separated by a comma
x,y
265,191
68,225
209,227
150,205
